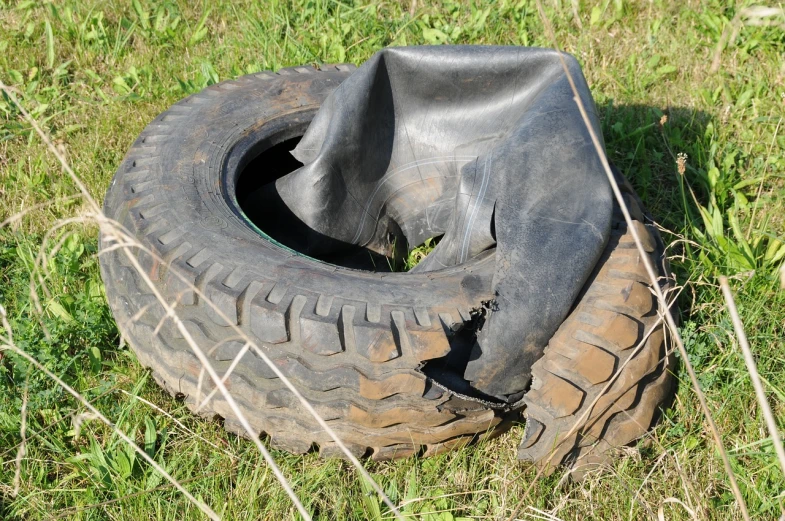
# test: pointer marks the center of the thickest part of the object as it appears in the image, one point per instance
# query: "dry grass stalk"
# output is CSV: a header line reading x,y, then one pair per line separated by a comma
x,y
154,464
121,239
68,512
113,229
752,368
177,422
654,282
757,15
20,453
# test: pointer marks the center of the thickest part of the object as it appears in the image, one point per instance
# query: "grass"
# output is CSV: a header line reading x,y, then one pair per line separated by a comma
x,y
95,73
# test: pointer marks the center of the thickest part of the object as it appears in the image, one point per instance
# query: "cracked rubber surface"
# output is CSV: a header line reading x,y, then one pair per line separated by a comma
x,y
356,344
616,311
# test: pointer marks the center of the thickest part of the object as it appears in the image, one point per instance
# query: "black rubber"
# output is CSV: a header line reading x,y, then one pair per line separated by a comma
x,y
381,356
357,344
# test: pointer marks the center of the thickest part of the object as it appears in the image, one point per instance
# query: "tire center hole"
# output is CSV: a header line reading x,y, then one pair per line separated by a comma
x,y
255,182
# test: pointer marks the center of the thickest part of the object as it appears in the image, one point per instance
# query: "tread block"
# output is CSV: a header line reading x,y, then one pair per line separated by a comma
x,y
432,392
449,323
149,212
142,150
647,239
225,299
396,384
207,276
277,293
245,299
638,298
180,284
624,258
229,350
616,402
531,434
346,325
428,345
143,161
199,257
155,138
402,450
331,450
258,366
422,316
589,318
373,312
623,391
132,173
267,323
293,312
592,363
622,331
293,444
254,366
320,337
142,187
150,265
396,416
175,252
400,332
633,207
558,396
376,344
148,309
341,376
198,334
323,305
150,227
284,398
235,277
637,276
458,443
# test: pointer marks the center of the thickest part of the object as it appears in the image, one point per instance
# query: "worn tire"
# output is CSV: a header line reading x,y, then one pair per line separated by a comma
x,y
610,319
358,345
353,342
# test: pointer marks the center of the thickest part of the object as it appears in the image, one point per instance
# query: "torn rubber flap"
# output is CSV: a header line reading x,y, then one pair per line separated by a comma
x,y
483,145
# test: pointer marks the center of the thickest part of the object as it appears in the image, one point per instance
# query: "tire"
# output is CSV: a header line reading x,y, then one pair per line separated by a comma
x,y
374,353
617,308
353,342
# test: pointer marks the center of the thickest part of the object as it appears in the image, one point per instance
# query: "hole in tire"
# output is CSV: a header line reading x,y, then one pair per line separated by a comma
x,y
280,224
266,168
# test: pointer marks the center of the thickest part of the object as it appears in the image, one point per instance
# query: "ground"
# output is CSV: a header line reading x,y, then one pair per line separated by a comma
x,y
692,97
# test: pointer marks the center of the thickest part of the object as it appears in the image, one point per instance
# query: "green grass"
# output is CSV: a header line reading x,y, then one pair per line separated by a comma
x,y
95,73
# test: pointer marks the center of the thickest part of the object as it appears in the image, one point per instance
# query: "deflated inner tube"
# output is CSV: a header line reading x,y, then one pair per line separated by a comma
x,y
484,145
296,252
